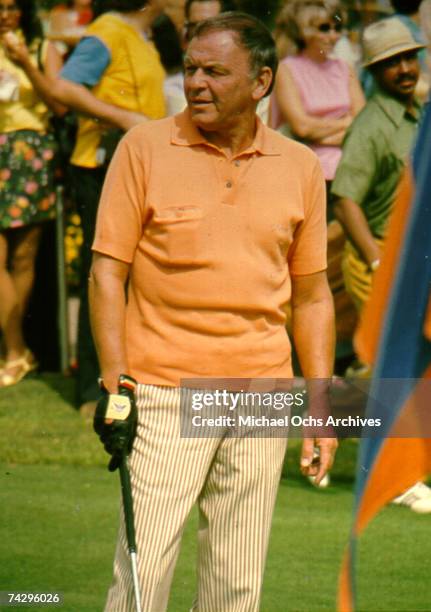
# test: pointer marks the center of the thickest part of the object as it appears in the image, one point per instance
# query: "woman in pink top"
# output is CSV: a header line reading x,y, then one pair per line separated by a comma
x,y
316,95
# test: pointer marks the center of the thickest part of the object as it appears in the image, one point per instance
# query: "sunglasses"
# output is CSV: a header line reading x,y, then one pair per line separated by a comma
x,y
328,27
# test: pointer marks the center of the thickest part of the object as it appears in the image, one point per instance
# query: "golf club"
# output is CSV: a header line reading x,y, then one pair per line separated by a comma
x,y
126,490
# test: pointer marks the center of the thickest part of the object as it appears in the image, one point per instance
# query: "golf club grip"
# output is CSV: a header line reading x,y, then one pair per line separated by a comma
x,y
126,490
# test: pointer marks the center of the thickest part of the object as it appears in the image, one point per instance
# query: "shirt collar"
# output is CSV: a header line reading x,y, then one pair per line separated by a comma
x,y
185,133
394,109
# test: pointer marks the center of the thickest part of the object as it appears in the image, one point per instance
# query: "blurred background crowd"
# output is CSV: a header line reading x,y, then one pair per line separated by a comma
x,y
74,76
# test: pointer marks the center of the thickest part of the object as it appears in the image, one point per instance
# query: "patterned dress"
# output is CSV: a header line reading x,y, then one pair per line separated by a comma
x,y
27,152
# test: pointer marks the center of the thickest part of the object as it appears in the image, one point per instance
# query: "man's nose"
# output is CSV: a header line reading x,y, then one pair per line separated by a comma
x,y
405,64
197,79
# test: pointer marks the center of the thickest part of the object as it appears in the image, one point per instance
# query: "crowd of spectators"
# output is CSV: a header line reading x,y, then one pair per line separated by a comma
x,y
111,64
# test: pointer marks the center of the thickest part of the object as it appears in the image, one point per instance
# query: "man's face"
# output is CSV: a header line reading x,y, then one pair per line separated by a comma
x,y
198,11
218,84
399,74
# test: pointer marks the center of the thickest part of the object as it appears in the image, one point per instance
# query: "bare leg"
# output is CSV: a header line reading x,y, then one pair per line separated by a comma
x,y
12,337
16,285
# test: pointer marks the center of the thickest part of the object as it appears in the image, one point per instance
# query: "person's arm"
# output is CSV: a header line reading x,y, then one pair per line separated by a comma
x,y
80,99
302,124
107,296
83,70
357,103
41,81
355,225
313,330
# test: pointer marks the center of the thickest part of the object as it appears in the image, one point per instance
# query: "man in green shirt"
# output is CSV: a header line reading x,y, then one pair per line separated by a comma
x,y
375,151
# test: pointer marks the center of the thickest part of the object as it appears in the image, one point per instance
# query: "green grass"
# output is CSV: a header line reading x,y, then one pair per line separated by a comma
x,y
60,509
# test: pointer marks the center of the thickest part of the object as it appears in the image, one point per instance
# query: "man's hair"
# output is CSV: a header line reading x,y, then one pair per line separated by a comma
x,y
252,35
406,7
225,5
122,6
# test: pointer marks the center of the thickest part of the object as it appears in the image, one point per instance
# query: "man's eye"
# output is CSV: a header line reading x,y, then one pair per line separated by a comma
x,y
189,69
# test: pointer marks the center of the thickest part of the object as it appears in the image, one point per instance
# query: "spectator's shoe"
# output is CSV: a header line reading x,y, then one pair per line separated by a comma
x,y
417,498
14,371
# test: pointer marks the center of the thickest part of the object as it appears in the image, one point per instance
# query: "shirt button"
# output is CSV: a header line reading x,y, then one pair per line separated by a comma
x,y
237,163
229,184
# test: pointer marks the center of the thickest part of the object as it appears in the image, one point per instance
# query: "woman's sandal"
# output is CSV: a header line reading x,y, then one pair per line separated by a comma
x,y
23,365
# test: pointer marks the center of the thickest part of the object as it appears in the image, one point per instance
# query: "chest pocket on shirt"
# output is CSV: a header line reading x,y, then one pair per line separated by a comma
x,y
177,233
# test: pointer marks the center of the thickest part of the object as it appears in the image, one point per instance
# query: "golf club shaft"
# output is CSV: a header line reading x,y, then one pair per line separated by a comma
x,y
126,489
136,581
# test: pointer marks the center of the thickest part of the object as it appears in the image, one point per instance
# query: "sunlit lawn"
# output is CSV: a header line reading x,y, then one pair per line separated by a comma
x,y
60,508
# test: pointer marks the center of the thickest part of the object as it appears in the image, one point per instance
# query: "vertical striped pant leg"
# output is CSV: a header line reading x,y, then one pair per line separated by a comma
x,y
167,474
236,507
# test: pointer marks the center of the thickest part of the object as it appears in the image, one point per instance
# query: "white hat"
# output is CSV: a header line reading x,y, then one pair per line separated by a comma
x,y
386,38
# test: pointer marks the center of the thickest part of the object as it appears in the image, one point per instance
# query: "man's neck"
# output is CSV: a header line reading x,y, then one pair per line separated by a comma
x,y
233,141
410,105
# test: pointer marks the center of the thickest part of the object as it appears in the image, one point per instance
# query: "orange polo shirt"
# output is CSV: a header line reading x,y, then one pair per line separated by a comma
x,y
212,244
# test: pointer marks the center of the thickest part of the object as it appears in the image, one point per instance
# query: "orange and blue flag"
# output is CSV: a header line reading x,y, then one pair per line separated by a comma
x,y
395,335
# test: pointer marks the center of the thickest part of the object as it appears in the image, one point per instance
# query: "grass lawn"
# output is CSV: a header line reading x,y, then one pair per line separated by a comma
x,y
60,509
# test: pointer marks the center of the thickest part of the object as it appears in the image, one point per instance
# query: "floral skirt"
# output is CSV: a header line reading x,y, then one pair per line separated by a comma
x,y
27,165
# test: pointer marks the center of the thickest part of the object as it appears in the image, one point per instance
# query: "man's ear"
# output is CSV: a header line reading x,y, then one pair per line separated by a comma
x,y
262,83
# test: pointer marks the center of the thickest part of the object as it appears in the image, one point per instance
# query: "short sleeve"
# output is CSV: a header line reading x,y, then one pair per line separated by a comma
x,y
87,63
357,166
307,254
121,212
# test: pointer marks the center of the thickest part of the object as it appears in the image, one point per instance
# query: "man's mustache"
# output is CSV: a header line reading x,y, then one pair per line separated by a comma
x,y
406,77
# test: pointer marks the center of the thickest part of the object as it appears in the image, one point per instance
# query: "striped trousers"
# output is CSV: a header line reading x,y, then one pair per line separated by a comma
x,y
234,481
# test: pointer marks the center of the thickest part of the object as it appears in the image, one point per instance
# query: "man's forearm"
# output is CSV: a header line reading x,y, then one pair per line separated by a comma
x,y
355,224
314,336
108,314
80,99
313,327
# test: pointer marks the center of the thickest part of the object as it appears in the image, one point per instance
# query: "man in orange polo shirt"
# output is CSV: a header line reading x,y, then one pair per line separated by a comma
x,y
214,223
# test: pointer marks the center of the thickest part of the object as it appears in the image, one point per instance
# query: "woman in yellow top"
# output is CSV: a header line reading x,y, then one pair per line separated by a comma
x,y
27,151
114,80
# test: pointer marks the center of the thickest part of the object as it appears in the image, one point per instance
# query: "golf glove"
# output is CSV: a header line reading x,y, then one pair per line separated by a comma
x,y
119,408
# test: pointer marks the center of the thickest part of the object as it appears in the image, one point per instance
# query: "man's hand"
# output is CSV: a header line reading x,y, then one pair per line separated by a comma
x,y
115,420
320,465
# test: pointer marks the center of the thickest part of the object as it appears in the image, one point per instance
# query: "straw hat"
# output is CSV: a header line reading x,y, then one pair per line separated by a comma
x,y
386,38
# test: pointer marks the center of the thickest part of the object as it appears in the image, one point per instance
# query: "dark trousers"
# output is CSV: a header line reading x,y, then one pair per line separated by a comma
x,y
88,184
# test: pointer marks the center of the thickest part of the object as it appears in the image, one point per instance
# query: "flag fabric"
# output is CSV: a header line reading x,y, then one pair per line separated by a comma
x,y
395,334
